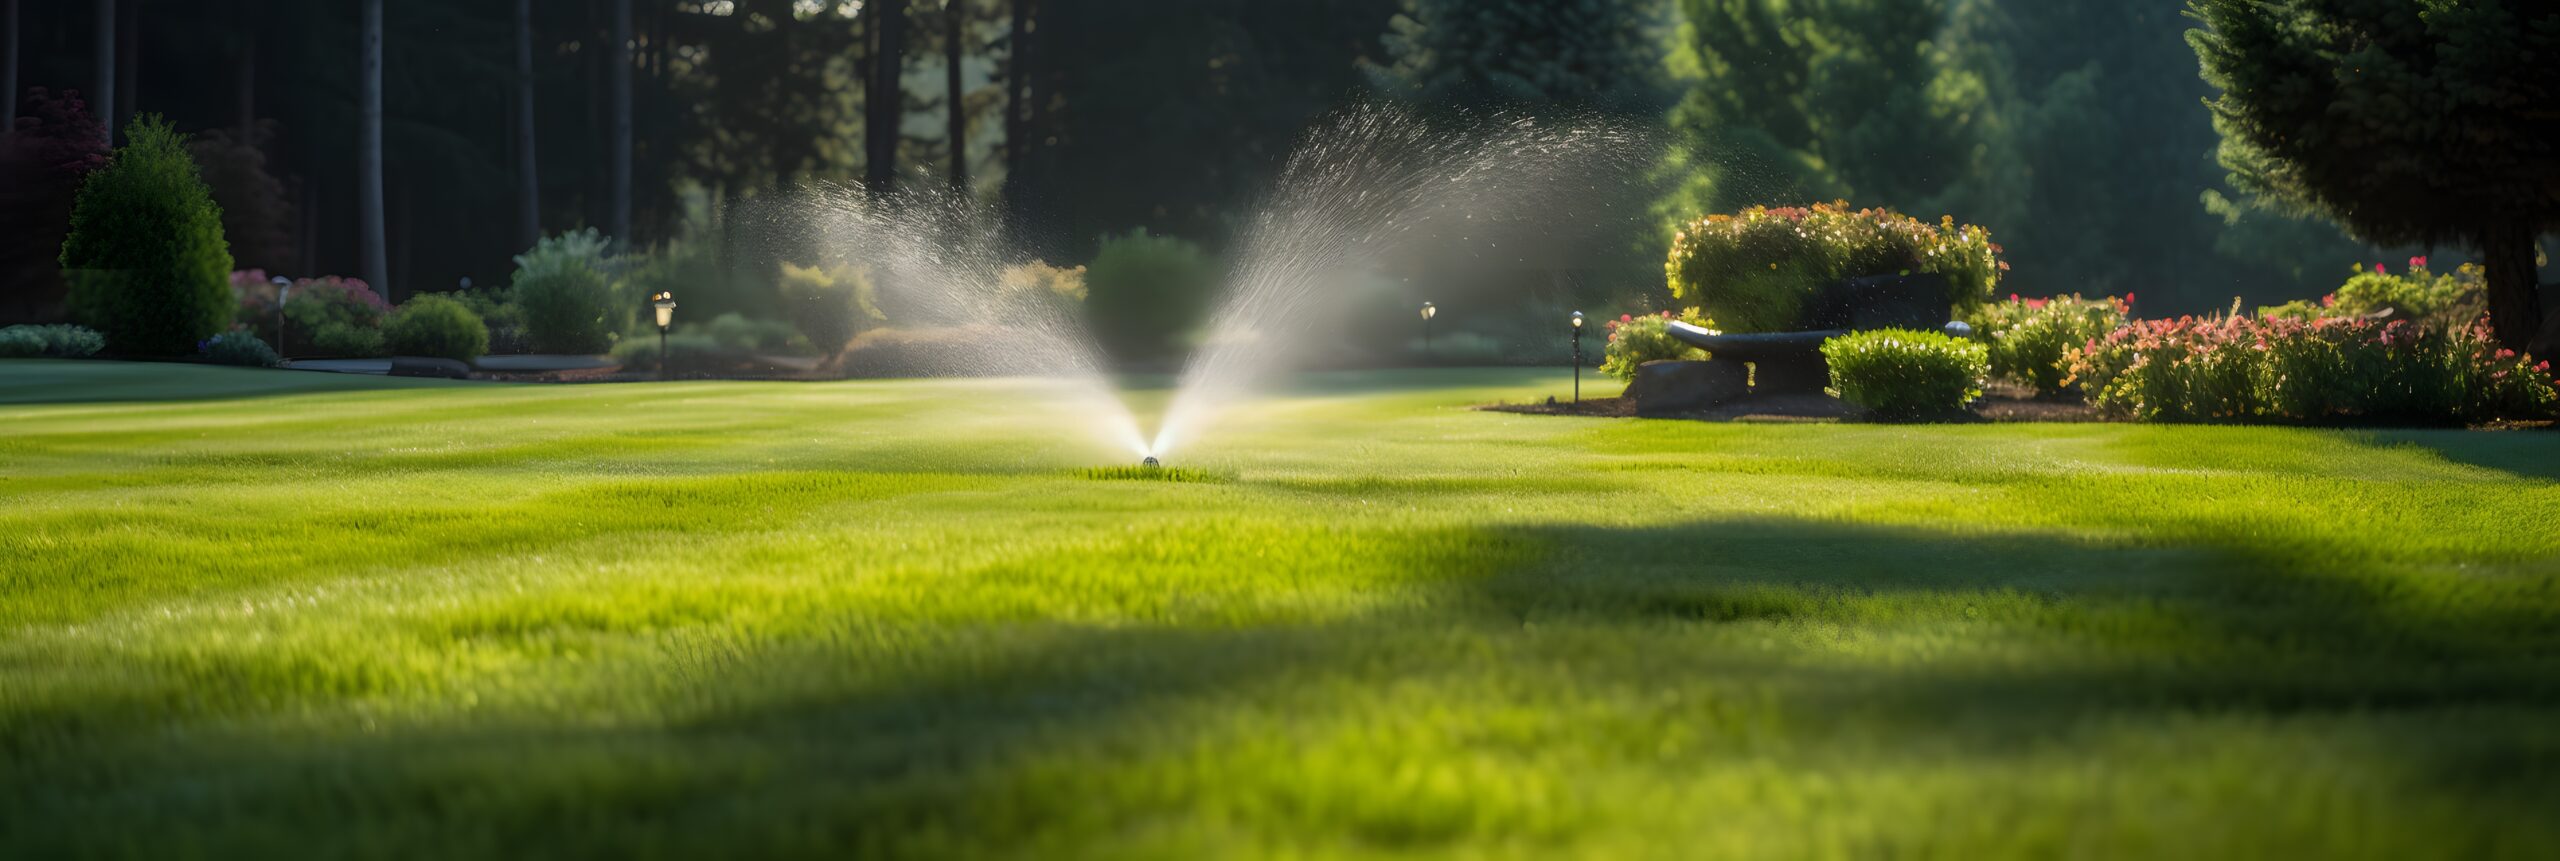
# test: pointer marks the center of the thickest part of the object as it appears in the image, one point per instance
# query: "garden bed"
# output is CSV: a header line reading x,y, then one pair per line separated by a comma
x,y
2003,403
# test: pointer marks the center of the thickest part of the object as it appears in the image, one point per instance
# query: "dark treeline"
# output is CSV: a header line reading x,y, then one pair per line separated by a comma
x,y
2073,128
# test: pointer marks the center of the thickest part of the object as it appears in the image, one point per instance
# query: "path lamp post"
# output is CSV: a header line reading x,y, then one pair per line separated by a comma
x,y
666,305
1427,312
1577,358
284,290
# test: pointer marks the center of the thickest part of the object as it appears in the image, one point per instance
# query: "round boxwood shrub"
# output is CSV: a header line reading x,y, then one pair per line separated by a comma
x,y
1146,294
1906,374
238,348
333,316
1635,340
21,342
1760,270
145,260
432,325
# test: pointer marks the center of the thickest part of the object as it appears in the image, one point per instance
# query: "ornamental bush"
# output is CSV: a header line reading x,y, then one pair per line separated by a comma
x,y
564,287
1906,374
145,260
2243,369
57,341
2449,300
333,316
1634,341
2031,339
437,326
1146,295
238,348
1758,270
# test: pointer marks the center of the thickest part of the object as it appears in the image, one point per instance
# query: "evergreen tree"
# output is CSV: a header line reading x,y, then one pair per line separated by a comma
x,y
2405,121
145,258
1526,54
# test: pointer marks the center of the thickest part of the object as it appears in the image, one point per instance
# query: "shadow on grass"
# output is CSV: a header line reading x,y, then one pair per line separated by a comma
x,y
2522,453
1029,736
100,381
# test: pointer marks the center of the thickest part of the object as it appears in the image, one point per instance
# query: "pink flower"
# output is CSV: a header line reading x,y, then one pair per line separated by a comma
x,y
1626,318
2035,304
2377,270
2329,301
2417,262
2013,297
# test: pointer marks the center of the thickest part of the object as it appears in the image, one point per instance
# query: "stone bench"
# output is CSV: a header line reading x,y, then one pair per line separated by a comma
x,y
1789,362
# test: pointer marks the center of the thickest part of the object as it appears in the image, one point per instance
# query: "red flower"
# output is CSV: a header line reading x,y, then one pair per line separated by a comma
x,y
2035,304
2377,270
2417,262
1626,318
2329,301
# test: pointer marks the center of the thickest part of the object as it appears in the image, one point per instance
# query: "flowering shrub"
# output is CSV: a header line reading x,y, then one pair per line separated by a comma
x,y
2192,369
2448,300
238,348
2030,338
256,294
333,316
1634,341
1757,270
1906,374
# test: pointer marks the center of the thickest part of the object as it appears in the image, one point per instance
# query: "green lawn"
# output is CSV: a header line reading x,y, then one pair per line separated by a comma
x,y
254,613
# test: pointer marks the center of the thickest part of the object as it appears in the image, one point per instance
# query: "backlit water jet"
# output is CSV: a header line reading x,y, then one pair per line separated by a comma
x,y
1371,183
936,262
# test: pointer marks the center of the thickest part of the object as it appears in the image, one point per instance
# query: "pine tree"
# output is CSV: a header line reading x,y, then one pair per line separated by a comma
x,y
146,261
2405,121
1526,54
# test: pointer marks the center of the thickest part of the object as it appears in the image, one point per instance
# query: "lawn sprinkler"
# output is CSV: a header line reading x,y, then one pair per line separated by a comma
x,y
1150,462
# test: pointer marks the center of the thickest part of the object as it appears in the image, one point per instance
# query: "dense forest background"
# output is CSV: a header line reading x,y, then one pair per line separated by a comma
x,y
2074,129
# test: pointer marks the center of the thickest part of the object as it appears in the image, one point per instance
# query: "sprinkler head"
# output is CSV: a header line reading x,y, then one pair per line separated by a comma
x,y
1150,461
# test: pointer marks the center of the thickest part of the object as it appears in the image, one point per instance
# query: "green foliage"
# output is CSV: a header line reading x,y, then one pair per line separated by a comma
x,y
2031,339
333,316
58,341
691,270
1904,374
2416,293
829,305
238,348
1525,54
563,286
2241,369
2404,121
498,312
1851,98
1147,294
437,326
1635,340
1758,271
691,352
145,259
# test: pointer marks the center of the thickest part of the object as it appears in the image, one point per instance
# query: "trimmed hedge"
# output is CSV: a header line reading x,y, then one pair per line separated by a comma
x,y
238,348
1906,374
1759,269
432,325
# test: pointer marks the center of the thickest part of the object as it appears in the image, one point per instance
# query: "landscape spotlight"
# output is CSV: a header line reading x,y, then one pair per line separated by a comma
x,y
1577,358
666,305
1428,311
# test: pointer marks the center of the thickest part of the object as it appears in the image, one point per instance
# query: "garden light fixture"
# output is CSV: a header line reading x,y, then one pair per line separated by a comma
x,y
1577,358
1428,311
666,305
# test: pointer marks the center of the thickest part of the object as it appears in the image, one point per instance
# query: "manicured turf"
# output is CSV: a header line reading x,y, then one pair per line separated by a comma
x,y
257,613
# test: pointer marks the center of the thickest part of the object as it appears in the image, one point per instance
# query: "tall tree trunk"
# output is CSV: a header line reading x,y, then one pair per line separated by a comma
x,y
9,69
884,102
2513,284
528,182
1017,105
955,23
103,98
620,220
128,55
377,261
